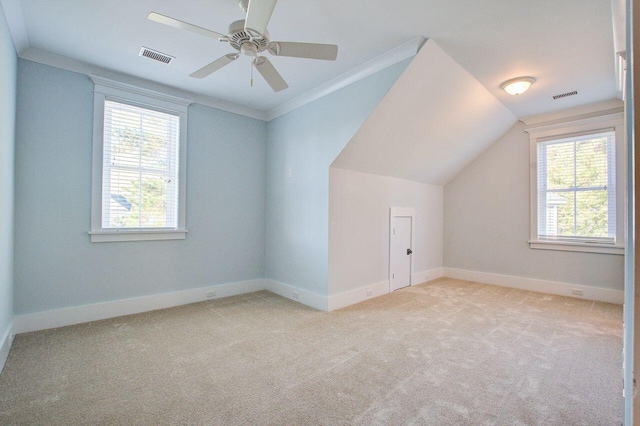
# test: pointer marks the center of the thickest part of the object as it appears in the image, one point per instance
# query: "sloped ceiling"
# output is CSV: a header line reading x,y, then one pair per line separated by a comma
x,y
431,124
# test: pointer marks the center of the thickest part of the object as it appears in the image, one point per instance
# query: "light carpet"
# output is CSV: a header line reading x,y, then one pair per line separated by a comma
x,y
447,352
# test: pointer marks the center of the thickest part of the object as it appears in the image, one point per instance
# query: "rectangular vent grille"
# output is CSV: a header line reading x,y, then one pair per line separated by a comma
x,y
564,95
155,55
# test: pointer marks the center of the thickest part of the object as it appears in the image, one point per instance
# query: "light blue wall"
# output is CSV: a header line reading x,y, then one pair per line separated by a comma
x,y
236,177
55,263
307,140
8,61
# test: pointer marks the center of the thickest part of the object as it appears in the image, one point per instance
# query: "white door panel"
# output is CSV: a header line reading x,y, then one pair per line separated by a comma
x,y
400,252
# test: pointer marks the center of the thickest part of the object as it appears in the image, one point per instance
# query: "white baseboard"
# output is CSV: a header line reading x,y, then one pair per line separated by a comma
x,y
305,297
358,295
424,276
79,314
7,341
361,294
541,286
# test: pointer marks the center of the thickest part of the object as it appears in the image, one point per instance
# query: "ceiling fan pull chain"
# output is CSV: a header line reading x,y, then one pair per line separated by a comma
x,y
251,66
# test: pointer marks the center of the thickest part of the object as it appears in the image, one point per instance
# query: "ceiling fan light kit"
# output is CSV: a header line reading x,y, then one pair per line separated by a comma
x,y
250,37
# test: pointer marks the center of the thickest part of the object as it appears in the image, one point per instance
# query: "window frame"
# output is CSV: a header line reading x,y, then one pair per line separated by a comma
x,y
579,127
105,89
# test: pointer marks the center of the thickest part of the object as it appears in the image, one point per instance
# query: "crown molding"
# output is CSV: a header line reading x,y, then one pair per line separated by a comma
x,y
392,57
113,84
610,106
603,120
15,21
74,65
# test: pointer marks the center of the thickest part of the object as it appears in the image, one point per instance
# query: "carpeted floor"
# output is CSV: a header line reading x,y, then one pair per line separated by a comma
x,y
446,352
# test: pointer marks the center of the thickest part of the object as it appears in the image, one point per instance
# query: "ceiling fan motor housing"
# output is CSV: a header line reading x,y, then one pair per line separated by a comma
x,y
252,45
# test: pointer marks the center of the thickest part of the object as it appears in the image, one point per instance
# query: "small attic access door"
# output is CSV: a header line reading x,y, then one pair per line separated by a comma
x,y
400,246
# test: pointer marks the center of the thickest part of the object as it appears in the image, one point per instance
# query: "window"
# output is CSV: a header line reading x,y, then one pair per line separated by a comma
x,y
139,167
577,189
576,194
138,164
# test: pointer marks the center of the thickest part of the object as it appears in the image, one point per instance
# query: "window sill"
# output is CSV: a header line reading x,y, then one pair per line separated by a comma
x,y
137,235
579,247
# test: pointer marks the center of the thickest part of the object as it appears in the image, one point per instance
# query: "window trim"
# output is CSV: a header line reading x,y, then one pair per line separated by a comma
x,y
112,90
572,127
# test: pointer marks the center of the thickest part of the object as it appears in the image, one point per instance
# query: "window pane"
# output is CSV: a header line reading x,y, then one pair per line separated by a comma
x,y
156,153
592,214
564,209
591,163
560,166
124,146
154,201
124,201
138,201
549,222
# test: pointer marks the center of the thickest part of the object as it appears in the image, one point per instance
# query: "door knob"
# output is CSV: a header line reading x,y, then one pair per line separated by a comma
x,y
409,251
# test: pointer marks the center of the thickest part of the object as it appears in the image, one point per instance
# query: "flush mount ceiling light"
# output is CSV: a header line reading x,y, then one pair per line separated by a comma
x,y
518,85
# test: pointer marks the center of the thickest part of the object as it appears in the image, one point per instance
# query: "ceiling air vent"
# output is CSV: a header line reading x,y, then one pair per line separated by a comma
x,y
155,55
564,95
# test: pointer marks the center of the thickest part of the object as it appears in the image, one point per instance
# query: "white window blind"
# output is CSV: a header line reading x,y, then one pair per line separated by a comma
x,y
140,168
577,188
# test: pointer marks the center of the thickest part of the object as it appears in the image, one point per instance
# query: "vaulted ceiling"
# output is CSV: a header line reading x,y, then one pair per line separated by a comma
x,y
412,134
566,45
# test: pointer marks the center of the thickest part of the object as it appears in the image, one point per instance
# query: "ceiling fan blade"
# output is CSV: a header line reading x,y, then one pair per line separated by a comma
x,y
270,74
327,52
175,23
215,66
258,16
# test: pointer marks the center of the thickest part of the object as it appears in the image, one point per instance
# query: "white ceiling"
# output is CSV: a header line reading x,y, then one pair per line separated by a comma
x,y
566,45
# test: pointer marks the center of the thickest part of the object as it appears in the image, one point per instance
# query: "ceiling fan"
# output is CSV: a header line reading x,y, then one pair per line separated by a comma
x,y
250,37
